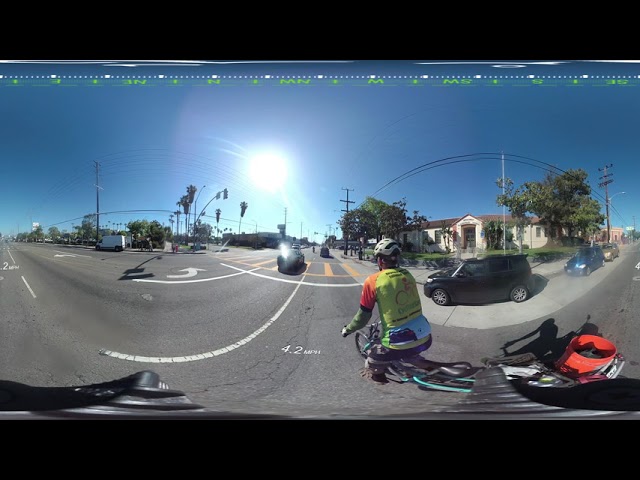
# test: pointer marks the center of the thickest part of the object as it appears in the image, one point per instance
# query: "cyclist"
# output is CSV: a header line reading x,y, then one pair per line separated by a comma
x,y
405,331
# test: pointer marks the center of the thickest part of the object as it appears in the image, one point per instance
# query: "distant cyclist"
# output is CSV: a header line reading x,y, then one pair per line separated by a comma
x,y
405,331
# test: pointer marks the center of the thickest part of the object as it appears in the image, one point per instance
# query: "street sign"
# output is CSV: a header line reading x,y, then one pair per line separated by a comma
x,y
630,229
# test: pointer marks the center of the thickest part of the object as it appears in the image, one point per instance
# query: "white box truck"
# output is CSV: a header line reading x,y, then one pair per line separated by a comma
x,y
111,242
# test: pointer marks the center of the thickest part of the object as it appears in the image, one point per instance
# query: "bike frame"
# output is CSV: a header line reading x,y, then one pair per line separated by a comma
x,y
525,368
434,380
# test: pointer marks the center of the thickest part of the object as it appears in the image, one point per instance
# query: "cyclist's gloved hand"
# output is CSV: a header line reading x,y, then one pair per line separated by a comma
x,y
344,331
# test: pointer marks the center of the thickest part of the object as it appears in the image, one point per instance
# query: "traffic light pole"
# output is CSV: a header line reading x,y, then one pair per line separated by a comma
x,y
225,195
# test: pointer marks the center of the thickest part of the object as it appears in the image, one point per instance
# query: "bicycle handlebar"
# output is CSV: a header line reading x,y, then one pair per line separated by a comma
x,y
139,392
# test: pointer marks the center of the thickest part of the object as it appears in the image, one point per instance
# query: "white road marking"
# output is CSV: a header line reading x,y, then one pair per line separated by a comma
x,y
191,272
65,254
189,281
25,282
301,282
202,356
12,259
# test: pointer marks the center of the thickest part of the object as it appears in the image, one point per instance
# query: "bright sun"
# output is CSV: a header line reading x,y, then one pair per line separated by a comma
x,y
268,172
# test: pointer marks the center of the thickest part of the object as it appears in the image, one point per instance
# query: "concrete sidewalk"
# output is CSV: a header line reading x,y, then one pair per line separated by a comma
x,y
553,291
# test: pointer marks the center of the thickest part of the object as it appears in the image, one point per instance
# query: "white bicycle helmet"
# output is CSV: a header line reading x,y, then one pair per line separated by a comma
x,y
388,248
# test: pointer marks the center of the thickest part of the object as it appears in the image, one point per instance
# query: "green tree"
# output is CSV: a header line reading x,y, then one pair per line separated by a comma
x,y
358,222
177,214
376,208
447,235
243,209
493,232
184,202
138,228
54,234
38,233
556,200
88,226
218,212
517,201
394,219
587,219
156,231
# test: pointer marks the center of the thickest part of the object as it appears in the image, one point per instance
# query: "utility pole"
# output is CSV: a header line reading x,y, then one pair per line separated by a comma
x,y
633,238
345,234
606,181
284,231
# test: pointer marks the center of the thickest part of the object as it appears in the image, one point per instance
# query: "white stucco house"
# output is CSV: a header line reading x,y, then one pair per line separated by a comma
x,y
469,234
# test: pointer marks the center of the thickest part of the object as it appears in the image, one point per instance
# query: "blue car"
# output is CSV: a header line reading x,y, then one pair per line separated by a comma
x,y
585,261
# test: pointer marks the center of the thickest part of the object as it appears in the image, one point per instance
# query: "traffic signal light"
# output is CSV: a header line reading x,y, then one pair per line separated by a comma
x,y
225,194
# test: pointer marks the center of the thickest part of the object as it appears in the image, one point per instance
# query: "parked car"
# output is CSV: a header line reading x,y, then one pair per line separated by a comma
x,y
324,252
290,259
611,251
478,281
585,261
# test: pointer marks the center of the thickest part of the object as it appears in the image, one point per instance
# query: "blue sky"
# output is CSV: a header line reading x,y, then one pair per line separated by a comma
x,y
439,146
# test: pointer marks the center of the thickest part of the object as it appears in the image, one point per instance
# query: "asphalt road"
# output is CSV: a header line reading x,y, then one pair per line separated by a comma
x,y
235,334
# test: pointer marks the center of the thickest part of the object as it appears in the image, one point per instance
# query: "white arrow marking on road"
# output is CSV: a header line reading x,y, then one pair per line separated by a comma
x,y
191,272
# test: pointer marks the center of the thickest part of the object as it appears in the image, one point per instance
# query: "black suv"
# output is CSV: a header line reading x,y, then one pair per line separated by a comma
x,y
483,280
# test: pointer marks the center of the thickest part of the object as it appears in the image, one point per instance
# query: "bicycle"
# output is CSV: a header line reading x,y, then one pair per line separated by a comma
x,y
527,369
459,376
450,377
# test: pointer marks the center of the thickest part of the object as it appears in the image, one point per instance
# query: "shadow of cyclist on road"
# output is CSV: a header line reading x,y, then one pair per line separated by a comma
x,y
548,347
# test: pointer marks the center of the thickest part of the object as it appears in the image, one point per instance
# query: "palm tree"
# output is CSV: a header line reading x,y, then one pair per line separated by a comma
x,y
218,212
177,212
184,201
243,209
191,193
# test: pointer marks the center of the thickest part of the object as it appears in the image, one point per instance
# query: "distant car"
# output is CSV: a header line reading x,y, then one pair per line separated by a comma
x,y
296,246
480,281
611,251
290,259
585,261
324,252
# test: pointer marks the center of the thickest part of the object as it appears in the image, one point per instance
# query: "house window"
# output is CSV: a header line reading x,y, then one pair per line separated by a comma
x,y
438,237
538,232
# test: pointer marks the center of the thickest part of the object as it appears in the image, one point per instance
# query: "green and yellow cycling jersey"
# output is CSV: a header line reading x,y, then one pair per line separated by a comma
x,y
396,293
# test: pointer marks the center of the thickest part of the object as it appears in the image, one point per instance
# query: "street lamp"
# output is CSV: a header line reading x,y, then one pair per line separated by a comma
x,y
608,221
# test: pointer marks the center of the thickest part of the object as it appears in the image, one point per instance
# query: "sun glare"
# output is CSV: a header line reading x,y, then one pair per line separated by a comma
x,y
268,172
